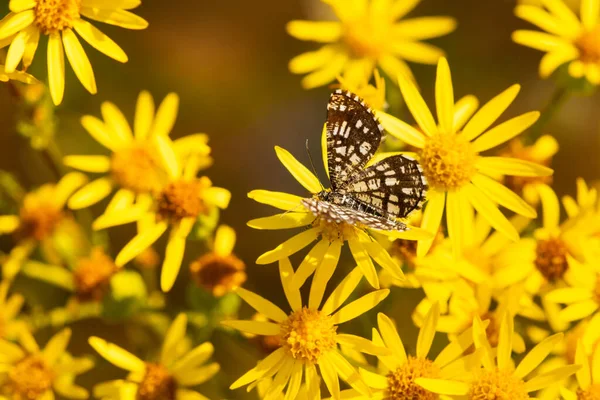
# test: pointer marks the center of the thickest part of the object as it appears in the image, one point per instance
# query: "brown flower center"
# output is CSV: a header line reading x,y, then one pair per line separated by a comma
x,y
448,161
53,16
497,384
589,46
39,217
29,378
591,393
158,384
181,199
307,334
92,276
551,258
218,274
138,168
401,382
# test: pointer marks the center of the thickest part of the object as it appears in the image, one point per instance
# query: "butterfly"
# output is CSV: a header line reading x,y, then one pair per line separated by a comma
x,y
375,196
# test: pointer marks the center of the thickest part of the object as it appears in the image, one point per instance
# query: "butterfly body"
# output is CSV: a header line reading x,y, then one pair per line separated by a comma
x,y
375,196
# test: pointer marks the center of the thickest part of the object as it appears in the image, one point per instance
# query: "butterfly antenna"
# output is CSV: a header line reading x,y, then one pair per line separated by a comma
x,y
313,164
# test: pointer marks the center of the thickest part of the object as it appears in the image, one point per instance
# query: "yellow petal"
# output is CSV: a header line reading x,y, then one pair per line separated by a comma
x,y
116,122
282,221
511,166
96,164
194,358
488,210
590,10
550,378
417,106
140,242
283,201
347,372
289,247
505,131
418,52
554,59
312,60
391,338
323,274
539,40
372,379
327,73
463,111
100,132
560,10
292,292
342,292
399,9
14,22
90,194
56,68
122,18
216,196
505,342
330,377
380,255
310,262
119,217
262,368
577,311
224,240
56,346
550,206
112,4
503,195
427,331
443,386
393,67
174,255
298,171
545,21
432,217
424,27
363,260
316,31
457,219
456,347
17,49
444,96
99,40
21,5
9,223
79,60
173,337
537,355
481,342
262,305
569,295
401,130
359,306
144,115
116,355
166,115
167,154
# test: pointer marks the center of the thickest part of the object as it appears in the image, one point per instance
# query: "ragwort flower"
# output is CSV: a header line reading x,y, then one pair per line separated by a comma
x,y
28,372
308,336
368,34
398,372
499,378
59,20
325,254
568,39
169,378
458,176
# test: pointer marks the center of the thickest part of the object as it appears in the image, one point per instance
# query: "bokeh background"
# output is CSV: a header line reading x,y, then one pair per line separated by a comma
x,y
227,60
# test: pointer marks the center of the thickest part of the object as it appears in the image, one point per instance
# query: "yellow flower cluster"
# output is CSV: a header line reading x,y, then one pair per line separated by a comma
x,y
458,204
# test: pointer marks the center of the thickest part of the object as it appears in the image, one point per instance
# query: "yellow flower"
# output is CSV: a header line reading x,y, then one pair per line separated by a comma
x,y
308,336
9,310
398,371
167,379
568,39
41,213
180,202
448,151
588,377
368,34
326,253
582,294
59,20
499,379
15,76
28,372
135,166
220,271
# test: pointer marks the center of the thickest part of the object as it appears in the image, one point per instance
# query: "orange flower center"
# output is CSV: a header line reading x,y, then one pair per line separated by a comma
x,y
158,384
448,161
591,393
138,168
53,16
39,217
401,382
551,258
589,46
92,276
497,384
333,231
29,378
307,334
365,39
218,274
181,199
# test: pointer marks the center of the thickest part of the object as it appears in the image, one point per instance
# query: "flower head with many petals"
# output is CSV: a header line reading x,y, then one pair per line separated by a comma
x,y
167,379
567,39
369,33
28,372
449,152
308,336
59,20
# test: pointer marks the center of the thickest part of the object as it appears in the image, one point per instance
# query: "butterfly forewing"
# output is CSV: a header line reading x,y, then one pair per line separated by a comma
x,y
353,136
394,187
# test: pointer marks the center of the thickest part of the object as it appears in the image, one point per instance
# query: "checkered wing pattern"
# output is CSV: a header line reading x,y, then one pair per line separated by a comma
x,y
353,136
394,187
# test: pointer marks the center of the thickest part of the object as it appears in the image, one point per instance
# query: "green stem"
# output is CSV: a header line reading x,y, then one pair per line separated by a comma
x,y
54,157
559,97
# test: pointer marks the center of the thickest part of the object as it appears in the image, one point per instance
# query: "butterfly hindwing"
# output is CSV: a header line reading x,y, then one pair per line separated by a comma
x,y
394,186
353,136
